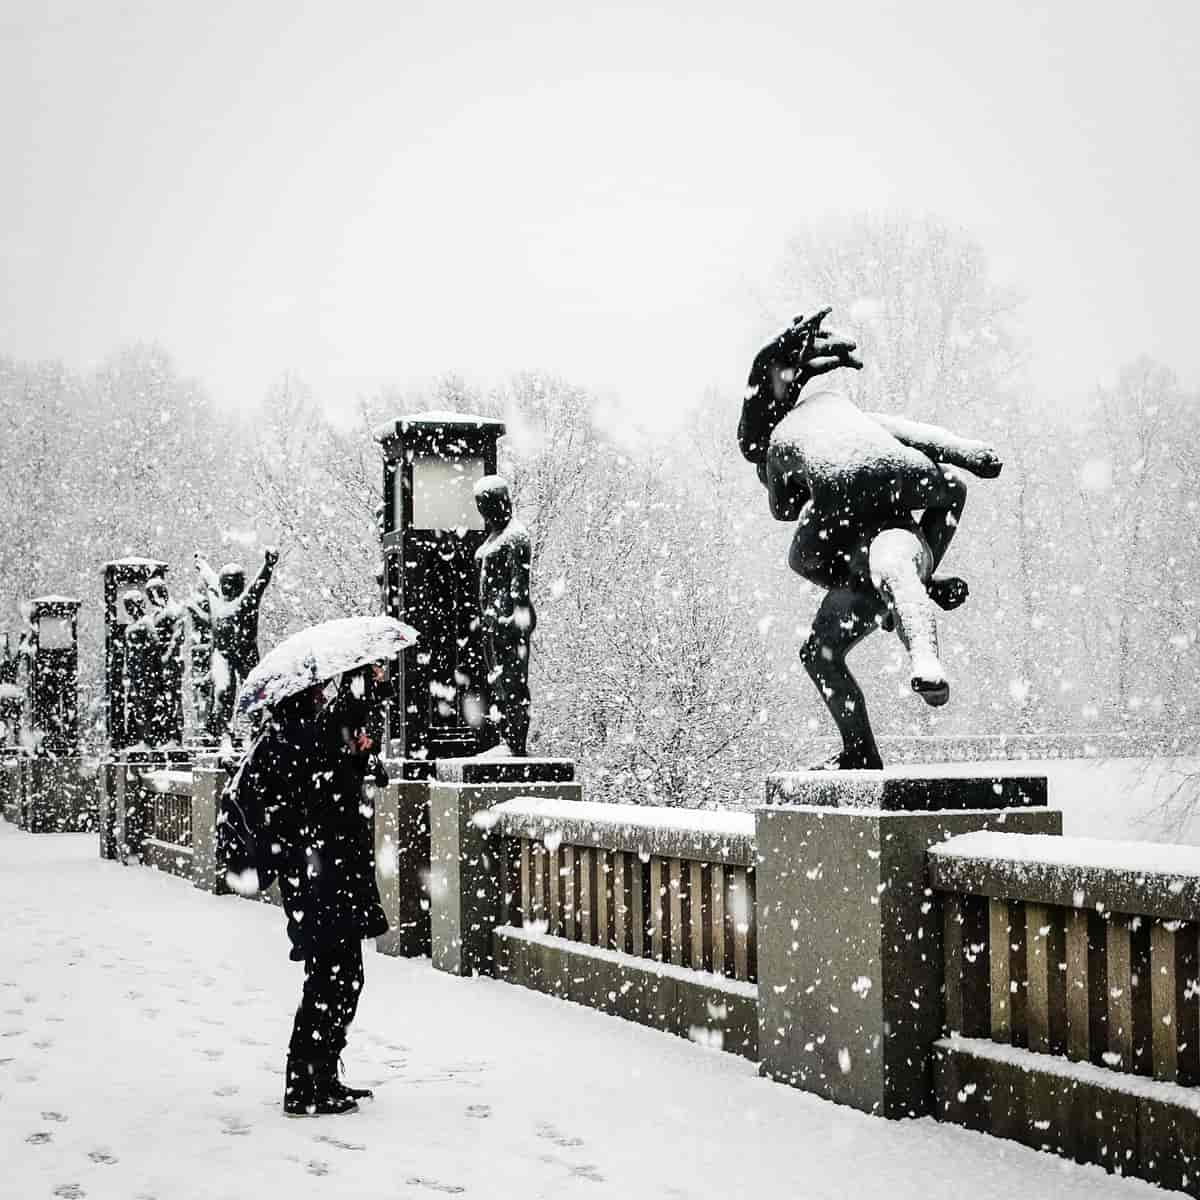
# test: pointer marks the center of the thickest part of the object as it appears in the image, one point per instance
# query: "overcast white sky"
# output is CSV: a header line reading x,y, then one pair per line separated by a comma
x,y
384,191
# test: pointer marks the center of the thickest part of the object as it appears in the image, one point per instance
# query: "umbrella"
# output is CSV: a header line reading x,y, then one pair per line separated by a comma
x,y
318,654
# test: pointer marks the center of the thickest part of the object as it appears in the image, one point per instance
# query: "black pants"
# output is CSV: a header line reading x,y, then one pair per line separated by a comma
x,y
333,979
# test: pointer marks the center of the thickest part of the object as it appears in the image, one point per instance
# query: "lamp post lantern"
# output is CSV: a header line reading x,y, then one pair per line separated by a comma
x,y
54,674
431,528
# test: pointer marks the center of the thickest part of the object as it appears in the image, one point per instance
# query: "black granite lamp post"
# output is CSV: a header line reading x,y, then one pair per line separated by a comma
x,y
54,674
431,529
121,575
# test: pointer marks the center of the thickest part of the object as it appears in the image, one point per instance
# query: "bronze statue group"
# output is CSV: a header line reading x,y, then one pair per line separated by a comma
x,y
875,500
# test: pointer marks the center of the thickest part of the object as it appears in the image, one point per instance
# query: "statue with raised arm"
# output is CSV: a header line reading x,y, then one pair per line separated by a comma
x,y
166,621
199,614
506,614
233,612
853,482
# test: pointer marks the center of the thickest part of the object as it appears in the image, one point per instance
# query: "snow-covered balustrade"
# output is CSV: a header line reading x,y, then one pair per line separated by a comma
x,y
161,815
648,912
168,800
666,884
1085,950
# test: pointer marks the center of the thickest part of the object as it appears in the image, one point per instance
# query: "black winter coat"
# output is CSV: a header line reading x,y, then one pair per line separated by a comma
x,y
311,782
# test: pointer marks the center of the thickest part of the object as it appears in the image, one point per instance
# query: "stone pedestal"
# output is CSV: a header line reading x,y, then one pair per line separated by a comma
x,y
10,789
402,834
58,795
850,937
466,871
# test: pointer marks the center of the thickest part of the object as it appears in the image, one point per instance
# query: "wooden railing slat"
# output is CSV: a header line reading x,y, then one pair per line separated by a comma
x,y
1000,987
717,919
1187,1003
587,895
526,882
1163,993
1119,993
675,885
603,905
696,914
570,893
1046,1003
739,911
621,933
638,915
554,913
1076,986
657,900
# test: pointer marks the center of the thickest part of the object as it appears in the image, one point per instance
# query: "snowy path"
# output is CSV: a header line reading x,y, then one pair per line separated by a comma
x,y
141,1034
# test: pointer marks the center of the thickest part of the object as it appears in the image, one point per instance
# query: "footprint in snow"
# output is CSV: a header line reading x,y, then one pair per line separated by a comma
x,y
479,1111
41,1138
337,1143
234,1126
317,1167
53,1116
102,1156
559,1139
449,1189
70,1191
226,1089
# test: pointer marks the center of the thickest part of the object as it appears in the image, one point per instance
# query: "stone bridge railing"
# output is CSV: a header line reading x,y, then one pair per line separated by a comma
x,y
906,945
645,913
1072,984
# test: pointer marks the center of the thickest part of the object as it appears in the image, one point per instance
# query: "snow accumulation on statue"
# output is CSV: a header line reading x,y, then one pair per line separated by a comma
x,y
854,482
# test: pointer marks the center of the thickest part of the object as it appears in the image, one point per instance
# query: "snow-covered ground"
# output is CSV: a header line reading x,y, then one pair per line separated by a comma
x,y
142,1026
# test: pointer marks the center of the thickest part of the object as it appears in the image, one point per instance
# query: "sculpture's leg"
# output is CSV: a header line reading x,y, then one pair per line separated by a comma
x,y
515,719
224,695
900,568
942,514
843,620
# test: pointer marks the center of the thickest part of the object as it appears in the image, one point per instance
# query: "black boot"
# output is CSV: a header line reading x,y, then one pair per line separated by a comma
x,y
338,1088
306,1092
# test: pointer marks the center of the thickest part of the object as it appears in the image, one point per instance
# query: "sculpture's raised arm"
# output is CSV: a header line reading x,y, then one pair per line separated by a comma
x,y
208,577
259,584
943,446
780,369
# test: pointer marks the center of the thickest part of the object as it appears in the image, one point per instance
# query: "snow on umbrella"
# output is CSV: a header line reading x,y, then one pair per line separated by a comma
x,y
318,654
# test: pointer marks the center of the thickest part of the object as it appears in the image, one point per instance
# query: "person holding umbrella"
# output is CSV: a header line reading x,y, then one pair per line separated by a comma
x,y
303,781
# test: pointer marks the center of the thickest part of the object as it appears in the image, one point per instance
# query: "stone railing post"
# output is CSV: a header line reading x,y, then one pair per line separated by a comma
x,y
112,808
850,971
208,780
466,880
402,866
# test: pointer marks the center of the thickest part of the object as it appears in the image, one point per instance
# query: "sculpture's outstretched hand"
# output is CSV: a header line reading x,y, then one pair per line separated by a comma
x,y
814,351
987,464
271,556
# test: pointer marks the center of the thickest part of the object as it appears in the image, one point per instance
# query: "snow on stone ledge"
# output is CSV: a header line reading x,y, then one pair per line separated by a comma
x,y
724,837
1130,877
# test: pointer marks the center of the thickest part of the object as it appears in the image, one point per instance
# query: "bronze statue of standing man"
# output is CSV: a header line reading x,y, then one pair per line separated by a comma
x,y
506,616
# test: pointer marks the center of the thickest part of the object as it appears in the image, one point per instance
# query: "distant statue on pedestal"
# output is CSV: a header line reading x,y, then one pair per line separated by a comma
x,y
852,481
233,609
507,618
166,620
200,648
142,672
11,696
